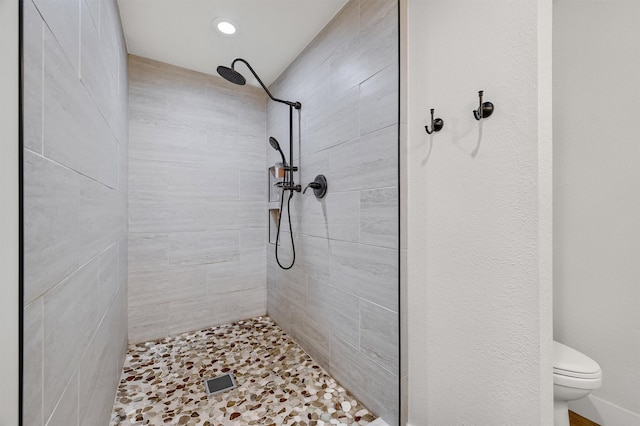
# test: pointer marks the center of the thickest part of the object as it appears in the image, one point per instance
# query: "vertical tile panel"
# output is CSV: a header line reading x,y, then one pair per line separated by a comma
x,y
66,412
368,272
94,69
375,387
100,217
75,133
379,217
379,100
96,376
335,309
33,30
315,257
51,240
108,277
123,264
376,165
63,18
343,216
379,338
69,322
32,380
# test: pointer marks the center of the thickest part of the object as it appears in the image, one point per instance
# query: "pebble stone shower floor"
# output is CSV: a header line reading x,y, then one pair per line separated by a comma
x,y
278,383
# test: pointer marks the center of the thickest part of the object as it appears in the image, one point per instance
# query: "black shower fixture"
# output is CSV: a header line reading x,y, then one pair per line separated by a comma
x,y
275,145
288,183
230,74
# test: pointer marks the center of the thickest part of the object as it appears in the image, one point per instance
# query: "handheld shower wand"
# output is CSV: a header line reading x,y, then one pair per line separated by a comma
x,y
287,185
275,145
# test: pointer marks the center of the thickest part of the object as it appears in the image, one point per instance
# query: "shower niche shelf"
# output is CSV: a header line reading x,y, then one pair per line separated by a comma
x,y
273,203
273,192
274,216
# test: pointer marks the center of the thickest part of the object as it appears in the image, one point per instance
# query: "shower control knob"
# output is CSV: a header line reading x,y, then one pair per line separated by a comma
x,y
319,186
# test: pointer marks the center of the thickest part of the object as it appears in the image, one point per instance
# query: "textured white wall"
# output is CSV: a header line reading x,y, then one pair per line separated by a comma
x,y
597,190
479,205
9,212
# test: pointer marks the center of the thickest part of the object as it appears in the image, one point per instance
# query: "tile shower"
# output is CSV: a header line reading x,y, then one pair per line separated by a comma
x,y
197,221
340,301
75,210
177,206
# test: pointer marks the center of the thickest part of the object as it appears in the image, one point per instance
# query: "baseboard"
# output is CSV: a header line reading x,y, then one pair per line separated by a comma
x,y
603,412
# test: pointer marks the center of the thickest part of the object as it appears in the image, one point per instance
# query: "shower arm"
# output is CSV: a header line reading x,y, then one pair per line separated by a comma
x,y
296,105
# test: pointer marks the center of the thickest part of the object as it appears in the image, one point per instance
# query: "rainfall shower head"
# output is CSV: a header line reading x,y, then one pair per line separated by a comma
x,y
231,75
275,145
235,77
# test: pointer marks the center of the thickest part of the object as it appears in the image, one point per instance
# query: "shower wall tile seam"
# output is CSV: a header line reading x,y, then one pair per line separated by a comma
x,y
88,90
42,76
70,169
363,353
393,64
81,266
76,372
74,376
66,387
338,191
391,248
360,298
329,283
194,298
337,144
367,78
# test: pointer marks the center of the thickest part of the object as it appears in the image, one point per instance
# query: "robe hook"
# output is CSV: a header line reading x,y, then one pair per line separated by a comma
x,y
484,109
436,125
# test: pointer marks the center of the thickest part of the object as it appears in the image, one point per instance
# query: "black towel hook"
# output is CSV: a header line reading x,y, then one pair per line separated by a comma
x,y
436,125
484,109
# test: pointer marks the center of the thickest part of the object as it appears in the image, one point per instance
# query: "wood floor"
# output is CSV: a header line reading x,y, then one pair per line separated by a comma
x,y
578,420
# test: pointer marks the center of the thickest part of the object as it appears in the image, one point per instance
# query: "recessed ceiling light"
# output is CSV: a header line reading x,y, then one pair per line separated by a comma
x,y
225,26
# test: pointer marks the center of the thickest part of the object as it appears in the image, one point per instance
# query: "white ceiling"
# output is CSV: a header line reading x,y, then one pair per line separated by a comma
x,y
271,33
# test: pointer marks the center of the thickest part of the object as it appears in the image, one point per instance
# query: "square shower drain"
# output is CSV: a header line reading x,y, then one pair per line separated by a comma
x,y
219,384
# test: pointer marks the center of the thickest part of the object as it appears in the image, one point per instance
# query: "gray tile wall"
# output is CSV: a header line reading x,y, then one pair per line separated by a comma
x,y
75,215
197,200
340,300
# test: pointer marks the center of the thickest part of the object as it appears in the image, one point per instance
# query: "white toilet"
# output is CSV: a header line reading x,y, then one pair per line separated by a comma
x,y
575,375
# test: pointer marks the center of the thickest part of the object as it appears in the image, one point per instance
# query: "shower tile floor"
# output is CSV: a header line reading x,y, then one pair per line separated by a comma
x,y
278,383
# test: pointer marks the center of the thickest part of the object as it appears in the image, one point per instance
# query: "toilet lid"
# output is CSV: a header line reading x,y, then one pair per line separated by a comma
x,y
569,362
